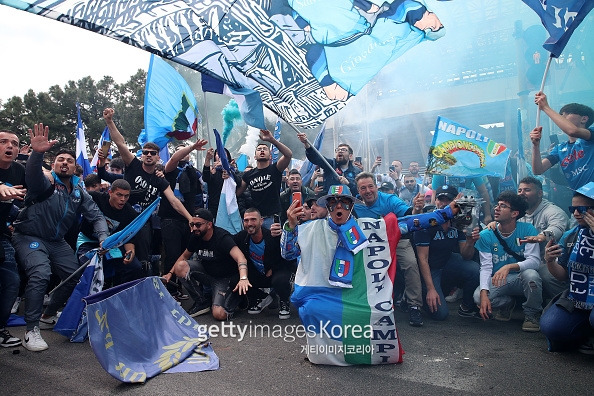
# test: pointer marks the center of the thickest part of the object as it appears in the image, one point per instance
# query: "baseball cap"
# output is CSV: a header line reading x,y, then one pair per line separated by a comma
x,y
587,190
338,190
449,191
386,186
203,214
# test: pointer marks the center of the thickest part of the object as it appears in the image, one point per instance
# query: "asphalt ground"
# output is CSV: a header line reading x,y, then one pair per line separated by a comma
x,y
456,357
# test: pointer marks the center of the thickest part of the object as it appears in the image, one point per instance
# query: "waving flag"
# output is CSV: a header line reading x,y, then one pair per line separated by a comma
x,y
82,158
104,138
228,216
277,136
560,18
304,58
307,168
170,108
460,151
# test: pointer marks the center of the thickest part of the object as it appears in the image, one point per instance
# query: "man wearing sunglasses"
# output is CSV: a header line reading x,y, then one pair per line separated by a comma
x,y
146,185
219,264
568,321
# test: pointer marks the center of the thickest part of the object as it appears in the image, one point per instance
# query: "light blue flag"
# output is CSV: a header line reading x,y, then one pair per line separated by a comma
x,y
242,162
560,18
277,136
228,216
307,169
105,137
460,151
170,108
81,146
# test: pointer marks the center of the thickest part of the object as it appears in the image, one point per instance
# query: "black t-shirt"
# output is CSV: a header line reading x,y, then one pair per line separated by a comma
x,y
146,187
214,253
116,219
441,244
188,187
13,176
264,185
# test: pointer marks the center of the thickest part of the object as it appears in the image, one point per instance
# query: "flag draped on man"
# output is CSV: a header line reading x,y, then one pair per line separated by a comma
x,y
82,158
228,216
460,151
170,108
560,18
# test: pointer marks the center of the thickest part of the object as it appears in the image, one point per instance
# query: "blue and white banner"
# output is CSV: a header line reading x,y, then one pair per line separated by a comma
x,y
105,137
459,151
228,216
305,59
82,157
560,18
137,330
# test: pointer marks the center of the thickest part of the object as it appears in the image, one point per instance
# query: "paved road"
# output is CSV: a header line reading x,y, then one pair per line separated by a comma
x,y
459,356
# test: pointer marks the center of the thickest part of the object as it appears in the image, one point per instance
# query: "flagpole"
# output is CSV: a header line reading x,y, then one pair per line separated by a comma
x,y
78,272
542,85
315,150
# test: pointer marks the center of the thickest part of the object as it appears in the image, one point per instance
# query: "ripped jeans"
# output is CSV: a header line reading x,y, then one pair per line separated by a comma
x,y
526,283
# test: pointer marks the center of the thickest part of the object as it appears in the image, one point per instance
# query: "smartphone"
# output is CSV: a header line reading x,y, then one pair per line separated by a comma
x,y
276,219
105,148
297,197
358,159
392,168
128,255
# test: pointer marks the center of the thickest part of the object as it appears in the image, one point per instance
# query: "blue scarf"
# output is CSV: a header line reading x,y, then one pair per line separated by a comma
x,y
351,240
581,270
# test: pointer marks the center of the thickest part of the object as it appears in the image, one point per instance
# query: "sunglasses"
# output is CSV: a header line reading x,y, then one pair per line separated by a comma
x,y
346,203
197,225
580,209
150,152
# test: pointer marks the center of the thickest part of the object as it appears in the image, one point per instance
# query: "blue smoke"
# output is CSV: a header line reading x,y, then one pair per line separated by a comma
x,y
230,115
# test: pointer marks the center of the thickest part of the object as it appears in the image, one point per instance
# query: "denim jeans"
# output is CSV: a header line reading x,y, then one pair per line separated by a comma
x,y
9,281
457,272
565,329
526,283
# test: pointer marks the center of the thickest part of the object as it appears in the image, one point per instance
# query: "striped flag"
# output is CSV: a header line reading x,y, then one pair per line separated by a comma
x,y
228,216
82,158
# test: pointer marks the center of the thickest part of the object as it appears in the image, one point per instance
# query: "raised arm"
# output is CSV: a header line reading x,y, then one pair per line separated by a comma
x,y
182,153
569,128
117,137
539,165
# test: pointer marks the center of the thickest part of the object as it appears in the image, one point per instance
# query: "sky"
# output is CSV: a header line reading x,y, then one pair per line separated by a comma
x,y
38,52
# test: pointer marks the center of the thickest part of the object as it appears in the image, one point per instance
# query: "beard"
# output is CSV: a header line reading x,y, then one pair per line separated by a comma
x,y
341,162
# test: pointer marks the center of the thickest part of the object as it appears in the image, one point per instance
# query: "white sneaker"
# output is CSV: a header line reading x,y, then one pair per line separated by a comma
x,y
454,296
34,341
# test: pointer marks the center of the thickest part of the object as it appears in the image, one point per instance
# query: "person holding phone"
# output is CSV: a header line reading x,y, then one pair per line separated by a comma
x,y
568,321
287,196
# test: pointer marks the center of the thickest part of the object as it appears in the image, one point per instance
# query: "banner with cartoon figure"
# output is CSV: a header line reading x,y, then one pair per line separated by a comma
x,y
457,150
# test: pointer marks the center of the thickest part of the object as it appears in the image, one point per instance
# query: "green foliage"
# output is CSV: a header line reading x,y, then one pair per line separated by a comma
x,y
57,109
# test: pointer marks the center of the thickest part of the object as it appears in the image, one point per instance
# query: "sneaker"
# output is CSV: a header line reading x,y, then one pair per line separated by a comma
x,y
469,313
454,296
48,323
415,316
504,313
199,309
587,347
259,305
179,296
33,340
15,306
284,312
7,340
531,325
